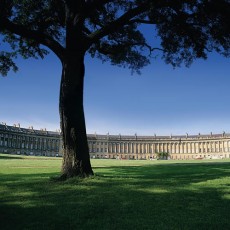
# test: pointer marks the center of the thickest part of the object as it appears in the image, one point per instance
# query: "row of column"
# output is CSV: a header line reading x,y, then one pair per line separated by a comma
x,y
34,143
25,142
175,147
131,148
195,147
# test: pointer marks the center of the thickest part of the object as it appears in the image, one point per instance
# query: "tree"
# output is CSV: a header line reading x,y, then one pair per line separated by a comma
x,y
163,155
111,31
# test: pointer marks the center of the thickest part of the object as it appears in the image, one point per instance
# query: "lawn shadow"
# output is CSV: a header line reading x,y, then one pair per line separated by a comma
x,y
5,157
169,173
146,197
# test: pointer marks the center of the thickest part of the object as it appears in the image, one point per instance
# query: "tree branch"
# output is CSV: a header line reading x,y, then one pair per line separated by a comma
x,y
40,38
141,22
113,26
151,49
107,49
94,4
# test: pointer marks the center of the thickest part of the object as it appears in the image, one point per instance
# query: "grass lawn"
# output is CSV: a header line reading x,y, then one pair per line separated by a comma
x,y
122,195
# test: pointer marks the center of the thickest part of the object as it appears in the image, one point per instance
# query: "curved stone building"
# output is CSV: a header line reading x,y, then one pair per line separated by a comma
x,y
146,147
14,139
17,140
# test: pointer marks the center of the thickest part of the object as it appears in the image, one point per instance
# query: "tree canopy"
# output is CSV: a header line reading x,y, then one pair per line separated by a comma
x,y
163,155
111,29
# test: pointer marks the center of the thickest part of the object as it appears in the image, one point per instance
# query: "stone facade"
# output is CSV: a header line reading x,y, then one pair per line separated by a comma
x,y
14,139
17,140
213,146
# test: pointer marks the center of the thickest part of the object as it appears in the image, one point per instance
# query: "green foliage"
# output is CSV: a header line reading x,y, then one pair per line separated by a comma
x,y
163,155
191,29
35,16
123,195
6,63
111,30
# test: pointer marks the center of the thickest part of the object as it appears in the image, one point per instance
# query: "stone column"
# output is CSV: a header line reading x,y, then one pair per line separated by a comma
x,y
170,147
189,147
216,146
134,148
115,148
164,147
212,146
178,148
153,148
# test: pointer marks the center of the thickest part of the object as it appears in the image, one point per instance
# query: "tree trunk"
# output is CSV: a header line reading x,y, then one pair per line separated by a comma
x,y
76,160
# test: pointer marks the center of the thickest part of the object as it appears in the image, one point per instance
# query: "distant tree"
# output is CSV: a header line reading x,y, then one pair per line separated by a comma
x,y
163,155
110,31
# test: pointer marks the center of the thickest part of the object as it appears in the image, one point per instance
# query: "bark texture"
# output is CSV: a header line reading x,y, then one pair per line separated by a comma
x,y
76,160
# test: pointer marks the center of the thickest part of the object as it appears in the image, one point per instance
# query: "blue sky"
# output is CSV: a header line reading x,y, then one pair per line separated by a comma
x,y
160,101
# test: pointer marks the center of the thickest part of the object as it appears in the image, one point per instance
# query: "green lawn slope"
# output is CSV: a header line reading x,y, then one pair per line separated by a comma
x,y
122,195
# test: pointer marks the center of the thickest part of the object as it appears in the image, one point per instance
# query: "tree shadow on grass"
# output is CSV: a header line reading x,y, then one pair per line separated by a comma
x,y
171,173
5,157
147,197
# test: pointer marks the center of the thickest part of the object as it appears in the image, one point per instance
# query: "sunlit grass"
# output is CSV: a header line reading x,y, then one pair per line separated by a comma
x,y
122,195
